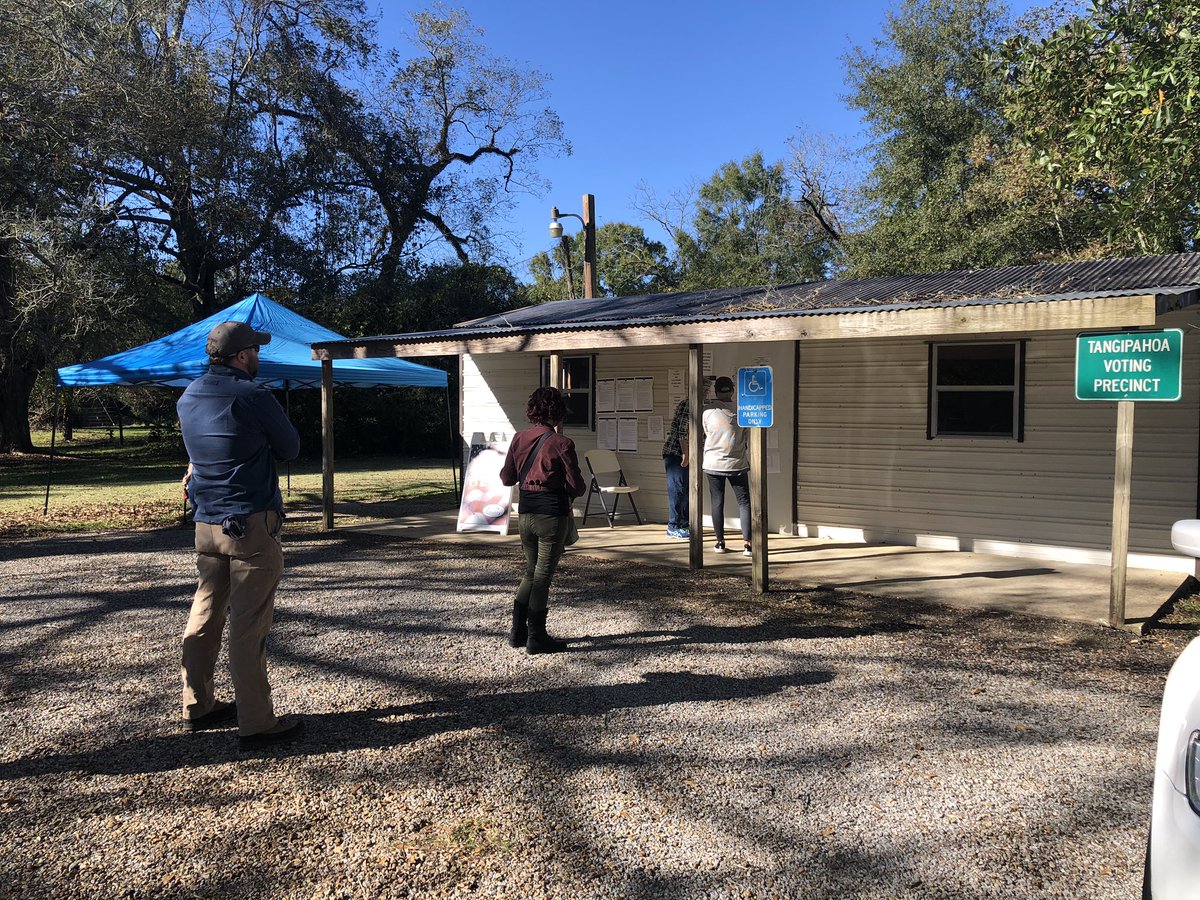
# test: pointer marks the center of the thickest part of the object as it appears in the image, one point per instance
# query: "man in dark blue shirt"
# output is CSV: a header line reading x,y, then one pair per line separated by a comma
x,y
234,428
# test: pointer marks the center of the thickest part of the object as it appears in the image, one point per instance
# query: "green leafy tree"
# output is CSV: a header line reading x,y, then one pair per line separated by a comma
x,y
947,188
445,294
1107,105
750,228
66,275
628,263
437,143
221,143
199,166
416,420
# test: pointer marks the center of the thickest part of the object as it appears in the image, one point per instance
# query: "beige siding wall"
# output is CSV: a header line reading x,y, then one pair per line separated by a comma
x,y
865,470
494,391
496,387
865,464
645,466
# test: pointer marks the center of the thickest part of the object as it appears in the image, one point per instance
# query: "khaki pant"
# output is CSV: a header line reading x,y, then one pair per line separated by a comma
x,y
238,579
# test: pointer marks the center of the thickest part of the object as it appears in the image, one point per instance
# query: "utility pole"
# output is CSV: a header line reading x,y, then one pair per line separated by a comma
x,y
591,285
589,247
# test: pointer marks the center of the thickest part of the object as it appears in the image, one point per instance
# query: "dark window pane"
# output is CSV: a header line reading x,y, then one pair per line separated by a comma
x,y
577,373
964,364
577,388
975,412
579,410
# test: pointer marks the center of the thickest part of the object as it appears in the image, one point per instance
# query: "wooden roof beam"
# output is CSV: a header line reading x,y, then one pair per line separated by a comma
x,y
942,321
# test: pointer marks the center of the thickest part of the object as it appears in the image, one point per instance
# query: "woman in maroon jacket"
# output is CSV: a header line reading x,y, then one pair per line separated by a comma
x,y
545,465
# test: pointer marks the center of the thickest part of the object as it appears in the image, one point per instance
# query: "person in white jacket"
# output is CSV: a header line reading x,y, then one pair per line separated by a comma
x,y
725,460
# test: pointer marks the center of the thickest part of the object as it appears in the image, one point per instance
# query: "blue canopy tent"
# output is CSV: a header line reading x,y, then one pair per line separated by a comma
x,y
177,359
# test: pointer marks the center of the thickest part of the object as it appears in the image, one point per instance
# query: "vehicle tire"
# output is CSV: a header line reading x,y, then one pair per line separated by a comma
x,y
1147,888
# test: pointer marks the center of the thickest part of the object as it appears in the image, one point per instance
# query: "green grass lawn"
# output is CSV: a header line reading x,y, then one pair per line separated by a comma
x,y
98,485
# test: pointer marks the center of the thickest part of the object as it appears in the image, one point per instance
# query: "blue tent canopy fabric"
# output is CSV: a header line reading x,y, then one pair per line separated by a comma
x,y
178,359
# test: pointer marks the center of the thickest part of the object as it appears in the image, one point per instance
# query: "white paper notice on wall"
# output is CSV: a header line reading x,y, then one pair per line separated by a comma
x,y
626,395
654,428
772,439
676,387
606,396
772,463
645,394
627,433
606,434
707,358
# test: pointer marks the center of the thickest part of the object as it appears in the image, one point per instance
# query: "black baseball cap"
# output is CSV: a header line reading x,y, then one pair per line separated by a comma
x,y
230,338
724,385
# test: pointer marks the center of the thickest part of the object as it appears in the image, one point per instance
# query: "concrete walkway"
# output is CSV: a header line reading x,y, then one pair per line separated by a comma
x,y
953,578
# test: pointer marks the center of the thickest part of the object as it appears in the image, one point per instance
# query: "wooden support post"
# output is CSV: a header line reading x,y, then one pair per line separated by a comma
x,y
758,508
1122,482
327,442
695,459
556,376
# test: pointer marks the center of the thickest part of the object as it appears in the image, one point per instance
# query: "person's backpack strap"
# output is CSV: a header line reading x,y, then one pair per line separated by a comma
x,y
532,456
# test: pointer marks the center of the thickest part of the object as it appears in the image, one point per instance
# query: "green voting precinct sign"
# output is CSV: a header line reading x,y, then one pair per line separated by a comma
x,y
1130,365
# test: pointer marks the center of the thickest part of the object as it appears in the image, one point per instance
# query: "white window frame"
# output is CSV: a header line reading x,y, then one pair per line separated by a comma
x,y
589,392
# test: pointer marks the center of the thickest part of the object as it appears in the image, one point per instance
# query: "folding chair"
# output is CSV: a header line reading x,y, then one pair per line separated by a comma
x,y
607,478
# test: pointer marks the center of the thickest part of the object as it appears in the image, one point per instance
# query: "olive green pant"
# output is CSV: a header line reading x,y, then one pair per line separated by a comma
x,y
542,538
237,582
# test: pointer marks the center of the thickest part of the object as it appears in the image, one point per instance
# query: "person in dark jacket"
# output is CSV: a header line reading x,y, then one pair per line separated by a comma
x,y
233,428
675,460
551,480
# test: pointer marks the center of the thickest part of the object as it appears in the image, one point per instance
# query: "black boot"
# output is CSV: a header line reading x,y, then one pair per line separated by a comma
x,y
539,641
518,634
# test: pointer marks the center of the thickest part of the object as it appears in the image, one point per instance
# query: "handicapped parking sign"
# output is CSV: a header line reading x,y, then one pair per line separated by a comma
x,y
755,402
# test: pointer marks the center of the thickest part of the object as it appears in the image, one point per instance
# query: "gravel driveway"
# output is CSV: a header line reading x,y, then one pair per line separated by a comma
x,y
698,741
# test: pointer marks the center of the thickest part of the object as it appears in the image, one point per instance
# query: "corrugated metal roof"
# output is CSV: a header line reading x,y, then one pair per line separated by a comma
x,y
1168,275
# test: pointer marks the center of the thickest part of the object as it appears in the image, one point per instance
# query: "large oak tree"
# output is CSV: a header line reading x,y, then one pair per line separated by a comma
x,y
238,144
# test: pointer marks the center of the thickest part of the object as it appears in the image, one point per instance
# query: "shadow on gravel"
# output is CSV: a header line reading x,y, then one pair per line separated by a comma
x,y
394,725
98,544
762,632
300,546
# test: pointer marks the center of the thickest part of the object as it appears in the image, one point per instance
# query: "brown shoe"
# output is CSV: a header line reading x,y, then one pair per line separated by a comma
x,y
287,728
220,716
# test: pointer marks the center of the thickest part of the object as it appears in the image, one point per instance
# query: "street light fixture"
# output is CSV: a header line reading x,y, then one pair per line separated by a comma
x,y
589,244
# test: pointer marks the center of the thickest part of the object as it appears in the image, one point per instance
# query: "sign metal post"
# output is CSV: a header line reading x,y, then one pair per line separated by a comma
x,y
756,411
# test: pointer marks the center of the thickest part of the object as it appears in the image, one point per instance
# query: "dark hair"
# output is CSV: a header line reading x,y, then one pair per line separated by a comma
x,y
546,407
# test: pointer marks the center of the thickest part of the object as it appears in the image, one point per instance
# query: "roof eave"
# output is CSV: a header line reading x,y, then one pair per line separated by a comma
x,y
966,317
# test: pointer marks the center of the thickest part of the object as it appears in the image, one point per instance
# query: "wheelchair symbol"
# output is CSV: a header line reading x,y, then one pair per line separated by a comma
x,y
752,385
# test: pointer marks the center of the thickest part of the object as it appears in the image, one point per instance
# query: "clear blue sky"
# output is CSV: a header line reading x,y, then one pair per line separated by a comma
x,y
663,92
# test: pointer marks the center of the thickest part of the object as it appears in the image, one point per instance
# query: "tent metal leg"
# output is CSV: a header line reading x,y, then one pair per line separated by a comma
x,y
327,444
287,405
50,467
454,452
